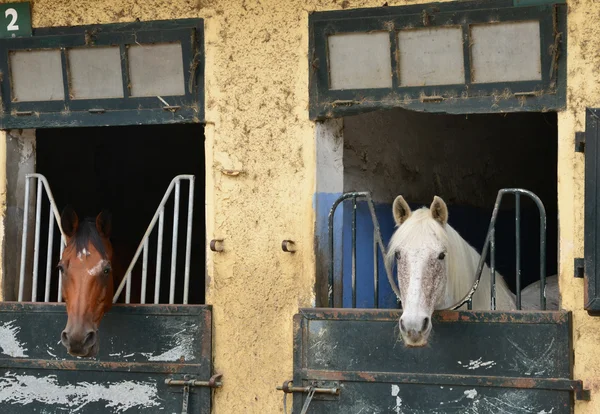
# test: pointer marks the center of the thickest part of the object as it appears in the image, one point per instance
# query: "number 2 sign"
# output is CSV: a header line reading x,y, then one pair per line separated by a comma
x,y
15,20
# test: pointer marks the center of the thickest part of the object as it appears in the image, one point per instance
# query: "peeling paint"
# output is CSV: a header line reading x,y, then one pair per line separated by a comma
x,y
9,343
471,402
471,394
478,363
183,350
536,365
120,396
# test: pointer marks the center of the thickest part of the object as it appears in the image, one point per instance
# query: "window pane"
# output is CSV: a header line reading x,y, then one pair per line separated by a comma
x,y
95,73
431,57
506,52
360,60
36,76
156,70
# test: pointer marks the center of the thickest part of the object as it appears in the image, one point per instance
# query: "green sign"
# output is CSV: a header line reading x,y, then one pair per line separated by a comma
x,y
15,19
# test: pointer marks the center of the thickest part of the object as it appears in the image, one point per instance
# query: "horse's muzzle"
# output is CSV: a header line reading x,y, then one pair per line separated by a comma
x,y
80,345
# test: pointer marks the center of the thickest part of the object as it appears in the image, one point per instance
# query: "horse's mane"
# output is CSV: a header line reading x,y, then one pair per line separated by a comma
x,y
87,233
462,258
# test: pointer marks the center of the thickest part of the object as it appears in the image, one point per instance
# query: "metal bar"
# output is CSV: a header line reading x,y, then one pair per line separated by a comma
x,y
161,224
375,273
24,241
36,248
149,230
52,202
144,272
62,249
174,243
493,269
542,211
553,384
49,257
128,288
382,247
188,244
489,238
518,247
288,389
193,383
354,252
376,230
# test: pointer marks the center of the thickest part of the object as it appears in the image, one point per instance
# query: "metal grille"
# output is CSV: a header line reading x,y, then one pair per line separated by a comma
x,y
143,247
43,188
489,245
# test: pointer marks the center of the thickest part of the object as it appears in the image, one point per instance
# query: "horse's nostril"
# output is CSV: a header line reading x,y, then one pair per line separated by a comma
x,y
425,324
64,337
90,338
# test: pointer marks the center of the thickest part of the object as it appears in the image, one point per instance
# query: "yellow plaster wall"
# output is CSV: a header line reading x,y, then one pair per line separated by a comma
x,y
257,113
583,90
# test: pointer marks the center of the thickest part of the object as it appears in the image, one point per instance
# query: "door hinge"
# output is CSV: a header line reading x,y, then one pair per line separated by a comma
x,y
579,267
186,383
580,142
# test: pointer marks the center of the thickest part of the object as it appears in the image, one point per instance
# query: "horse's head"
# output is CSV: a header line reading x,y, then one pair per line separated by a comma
x,y
419,248
87,286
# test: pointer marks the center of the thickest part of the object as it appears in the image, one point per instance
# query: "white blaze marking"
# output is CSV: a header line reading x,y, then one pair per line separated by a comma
x,y
123,395
96,269
82,253
9,343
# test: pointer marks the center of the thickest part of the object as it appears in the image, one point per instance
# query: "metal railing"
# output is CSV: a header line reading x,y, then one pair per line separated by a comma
x,y
377,245
54,219
489,244
159,216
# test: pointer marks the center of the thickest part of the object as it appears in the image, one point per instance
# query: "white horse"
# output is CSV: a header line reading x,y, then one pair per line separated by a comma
x,y
436,268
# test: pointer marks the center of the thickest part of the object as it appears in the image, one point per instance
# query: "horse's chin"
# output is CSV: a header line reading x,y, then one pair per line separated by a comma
x,y
91,352
418,344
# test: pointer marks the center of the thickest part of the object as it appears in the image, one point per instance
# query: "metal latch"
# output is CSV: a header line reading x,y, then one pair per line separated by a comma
x,y
213,382
326,389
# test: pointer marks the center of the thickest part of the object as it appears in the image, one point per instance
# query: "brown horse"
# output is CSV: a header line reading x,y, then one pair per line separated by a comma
x,y
88,284
91,268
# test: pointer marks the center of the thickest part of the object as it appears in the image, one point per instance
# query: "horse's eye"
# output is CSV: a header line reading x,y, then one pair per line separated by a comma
x,y
397,255
442,255
60,268
106,270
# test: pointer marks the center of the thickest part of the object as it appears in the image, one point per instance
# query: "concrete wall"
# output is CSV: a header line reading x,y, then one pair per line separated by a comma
x,y
19,161
463,159
257,113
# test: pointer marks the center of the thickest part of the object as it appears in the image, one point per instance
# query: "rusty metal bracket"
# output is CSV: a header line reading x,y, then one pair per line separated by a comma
x,y
580,142
213,382
328,390
214,247
288,246
579,267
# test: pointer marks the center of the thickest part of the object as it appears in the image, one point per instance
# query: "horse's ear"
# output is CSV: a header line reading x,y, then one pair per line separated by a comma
x,y
439,211
104,223
401,210
69,221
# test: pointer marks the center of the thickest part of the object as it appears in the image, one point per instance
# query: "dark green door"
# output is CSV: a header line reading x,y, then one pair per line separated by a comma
x,y
141,346
476,362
